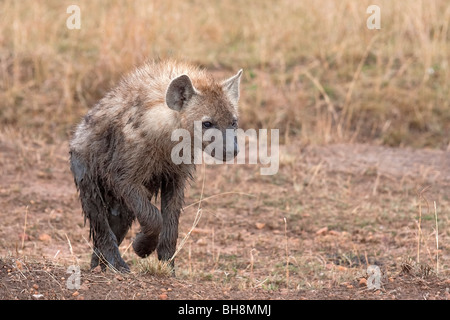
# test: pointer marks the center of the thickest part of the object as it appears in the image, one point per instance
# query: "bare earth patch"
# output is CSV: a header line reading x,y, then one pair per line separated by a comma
x,y
309,232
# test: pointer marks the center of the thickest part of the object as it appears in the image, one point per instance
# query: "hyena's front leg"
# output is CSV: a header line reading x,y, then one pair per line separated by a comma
x,y
172,199
149,218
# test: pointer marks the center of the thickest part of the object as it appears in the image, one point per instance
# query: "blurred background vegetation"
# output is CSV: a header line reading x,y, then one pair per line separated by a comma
x,y
312,68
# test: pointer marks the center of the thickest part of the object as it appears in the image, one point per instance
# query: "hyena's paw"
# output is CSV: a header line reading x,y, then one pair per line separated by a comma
x,y
143,245
119,265
111,260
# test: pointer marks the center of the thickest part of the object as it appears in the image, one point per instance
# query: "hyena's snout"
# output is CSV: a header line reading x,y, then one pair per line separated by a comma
x,y
230,146
222,145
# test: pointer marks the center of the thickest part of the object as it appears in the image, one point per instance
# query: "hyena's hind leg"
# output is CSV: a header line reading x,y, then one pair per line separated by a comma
x,y
106,250
119,220
106,254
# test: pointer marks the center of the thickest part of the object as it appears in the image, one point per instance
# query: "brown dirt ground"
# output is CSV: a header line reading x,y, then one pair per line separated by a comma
x,y
308,232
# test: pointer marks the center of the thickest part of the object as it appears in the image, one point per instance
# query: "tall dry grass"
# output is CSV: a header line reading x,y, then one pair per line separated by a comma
x,y
312,68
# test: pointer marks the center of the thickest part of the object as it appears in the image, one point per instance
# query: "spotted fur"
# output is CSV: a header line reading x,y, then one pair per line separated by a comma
x,y
120,155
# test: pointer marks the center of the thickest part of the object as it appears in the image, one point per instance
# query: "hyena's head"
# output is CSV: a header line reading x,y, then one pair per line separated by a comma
x,y
209,111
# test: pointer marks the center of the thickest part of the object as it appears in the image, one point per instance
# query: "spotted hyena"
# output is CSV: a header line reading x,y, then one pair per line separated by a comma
x,y
120,154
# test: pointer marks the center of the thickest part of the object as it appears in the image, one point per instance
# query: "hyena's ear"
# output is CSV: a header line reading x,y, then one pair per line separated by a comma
x,y
179,92
231,87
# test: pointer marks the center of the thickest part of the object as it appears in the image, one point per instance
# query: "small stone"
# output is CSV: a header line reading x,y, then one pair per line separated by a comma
x,y
97,269
119,278
45,237
363,282
259,225
163,296
322,231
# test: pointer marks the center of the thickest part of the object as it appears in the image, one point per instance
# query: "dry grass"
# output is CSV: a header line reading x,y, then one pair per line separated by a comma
x,y
312,69
151,265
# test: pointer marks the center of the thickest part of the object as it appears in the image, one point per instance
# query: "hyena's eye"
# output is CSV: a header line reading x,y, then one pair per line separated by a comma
x,y
207,124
